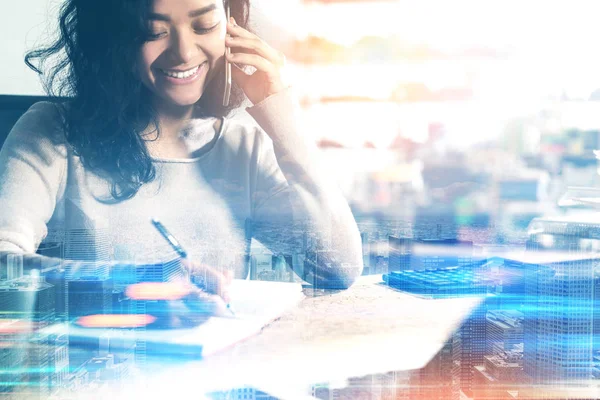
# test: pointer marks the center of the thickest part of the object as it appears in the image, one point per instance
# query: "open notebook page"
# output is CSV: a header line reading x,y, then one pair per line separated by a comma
x,y
256,304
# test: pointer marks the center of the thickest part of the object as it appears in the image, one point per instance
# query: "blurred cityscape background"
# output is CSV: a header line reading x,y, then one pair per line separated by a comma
x,y
487,110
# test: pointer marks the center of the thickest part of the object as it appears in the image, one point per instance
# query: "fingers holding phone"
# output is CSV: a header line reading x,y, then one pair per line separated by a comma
x,y
252,51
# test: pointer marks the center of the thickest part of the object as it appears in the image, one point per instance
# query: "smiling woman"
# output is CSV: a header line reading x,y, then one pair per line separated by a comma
x,y
112,66
143,134
185,47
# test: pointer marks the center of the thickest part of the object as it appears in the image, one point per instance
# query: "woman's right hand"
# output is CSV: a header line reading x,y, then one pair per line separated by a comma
x,y
209,294
182,304
208,279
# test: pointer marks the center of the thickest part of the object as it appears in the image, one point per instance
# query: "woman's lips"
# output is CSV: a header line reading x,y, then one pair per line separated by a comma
x,y
184,77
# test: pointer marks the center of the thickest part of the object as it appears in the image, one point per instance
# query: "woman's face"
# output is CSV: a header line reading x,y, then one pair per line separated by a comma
x,y
187,43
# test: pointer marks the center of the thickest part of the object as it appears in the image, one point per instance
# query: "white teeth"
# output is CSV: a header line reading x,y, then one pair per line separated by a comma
x,y
181,75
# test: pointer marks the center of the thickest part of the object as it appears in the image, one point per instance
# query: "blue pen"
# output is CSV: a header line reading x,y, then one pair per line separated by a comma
x,y
176,246
170,238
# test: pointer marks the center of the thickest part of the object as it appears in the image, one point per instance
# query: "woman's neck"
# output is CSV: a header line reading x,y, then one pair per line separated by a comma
x,y
173,122
172,119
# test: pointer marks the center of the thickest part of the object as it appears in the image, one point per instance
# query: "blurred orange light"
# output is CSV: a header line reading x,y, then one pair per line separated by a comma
x,y
12,326
157,291
115,320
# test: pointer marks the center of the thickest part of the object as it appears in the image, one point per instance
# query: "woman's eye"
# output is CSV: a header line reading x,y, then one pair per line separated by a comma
x,y
202,29
155,35
156,30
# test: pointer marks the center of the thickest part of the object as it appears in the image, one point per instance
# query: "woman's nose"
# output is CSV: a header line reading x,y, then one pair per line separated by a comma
x,y
184,47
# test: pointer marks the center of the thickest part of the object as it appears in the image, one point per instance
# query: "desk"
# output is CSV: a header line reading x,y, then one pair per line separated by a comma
x,y
330,337
361,333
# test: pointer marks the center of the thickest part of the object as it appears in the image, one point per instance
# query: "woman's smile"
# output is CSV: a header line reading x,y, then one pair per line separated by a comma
x,y
183,77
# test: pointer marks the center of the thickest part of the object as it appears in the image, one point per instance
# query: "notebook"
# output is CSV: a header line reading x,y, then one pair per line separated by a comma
x,y
256,304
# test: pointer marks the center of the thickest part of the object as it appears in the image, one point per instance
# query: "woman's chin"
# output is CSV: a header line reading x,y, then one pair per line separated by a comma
x,y
181,101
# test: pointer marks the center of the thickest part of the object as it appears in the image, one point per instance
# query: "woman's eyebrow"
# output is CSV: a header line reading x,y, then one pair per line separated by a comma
x,y
191,14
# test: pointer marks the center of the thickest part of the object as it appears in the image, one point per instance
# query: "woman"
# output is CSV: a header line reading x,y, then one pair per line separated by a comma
x,y
144,134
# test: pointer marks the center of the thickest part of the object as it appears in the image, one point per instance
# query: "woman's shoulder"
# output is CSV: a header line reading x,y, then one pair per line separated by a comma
x,y
242,130
43,120
40,127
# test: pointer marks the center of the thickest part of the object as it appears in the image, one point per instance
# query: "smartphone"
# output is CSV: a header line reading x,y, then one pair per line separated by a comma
x,y
227,86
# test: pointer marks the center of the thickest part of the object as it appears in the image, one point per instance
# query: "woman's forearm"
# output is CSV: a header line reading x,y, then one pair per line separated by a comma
x,y
121,272
316,200
319,206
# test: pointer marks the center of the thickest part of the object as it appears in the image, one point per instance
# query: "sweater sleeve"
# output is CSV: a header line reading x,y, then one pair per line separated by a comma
x,y
32,173
295,196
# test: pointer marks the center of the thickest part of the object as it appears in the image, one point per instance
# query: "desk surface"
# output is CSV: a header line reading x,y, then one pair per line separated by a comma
x,y
366,330
331,336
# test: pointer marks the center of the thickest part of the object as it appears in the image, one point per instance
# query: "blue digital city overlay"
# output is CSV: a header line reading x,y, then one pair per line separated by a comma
x,y
538,326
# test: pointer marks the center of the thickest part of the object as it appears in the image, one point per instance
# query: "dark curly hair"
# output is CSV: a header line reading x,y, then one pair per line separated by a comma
x,y
92,64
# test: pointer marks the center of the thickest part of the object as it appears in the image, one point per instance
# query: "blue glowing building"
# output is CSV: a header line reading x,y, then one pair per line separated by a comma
x,y
558,329
559,312
26,357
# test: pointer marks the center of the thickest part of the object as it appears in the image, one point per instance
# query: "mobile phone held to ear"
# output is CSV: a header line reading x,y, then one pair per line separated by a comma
x,y
227,86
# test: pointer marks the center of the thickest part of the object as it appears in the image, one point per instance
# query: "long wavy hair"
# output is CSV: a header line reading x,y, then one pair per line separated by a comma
x,y
92,63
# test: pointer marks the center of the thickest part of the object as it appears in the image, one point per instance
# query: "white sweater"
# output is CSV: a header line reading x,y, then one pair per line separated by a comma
x,y
265,176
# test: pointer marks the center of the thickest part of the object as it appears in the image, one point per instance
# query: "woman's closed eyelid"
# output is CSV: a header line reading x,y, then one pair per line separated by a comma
x,y
156,36
156,30
206,30
198,29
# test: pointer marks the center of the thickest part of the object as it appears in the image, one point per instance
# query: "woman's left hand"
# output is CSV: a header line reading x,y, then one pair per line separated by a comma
x,y
253,51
